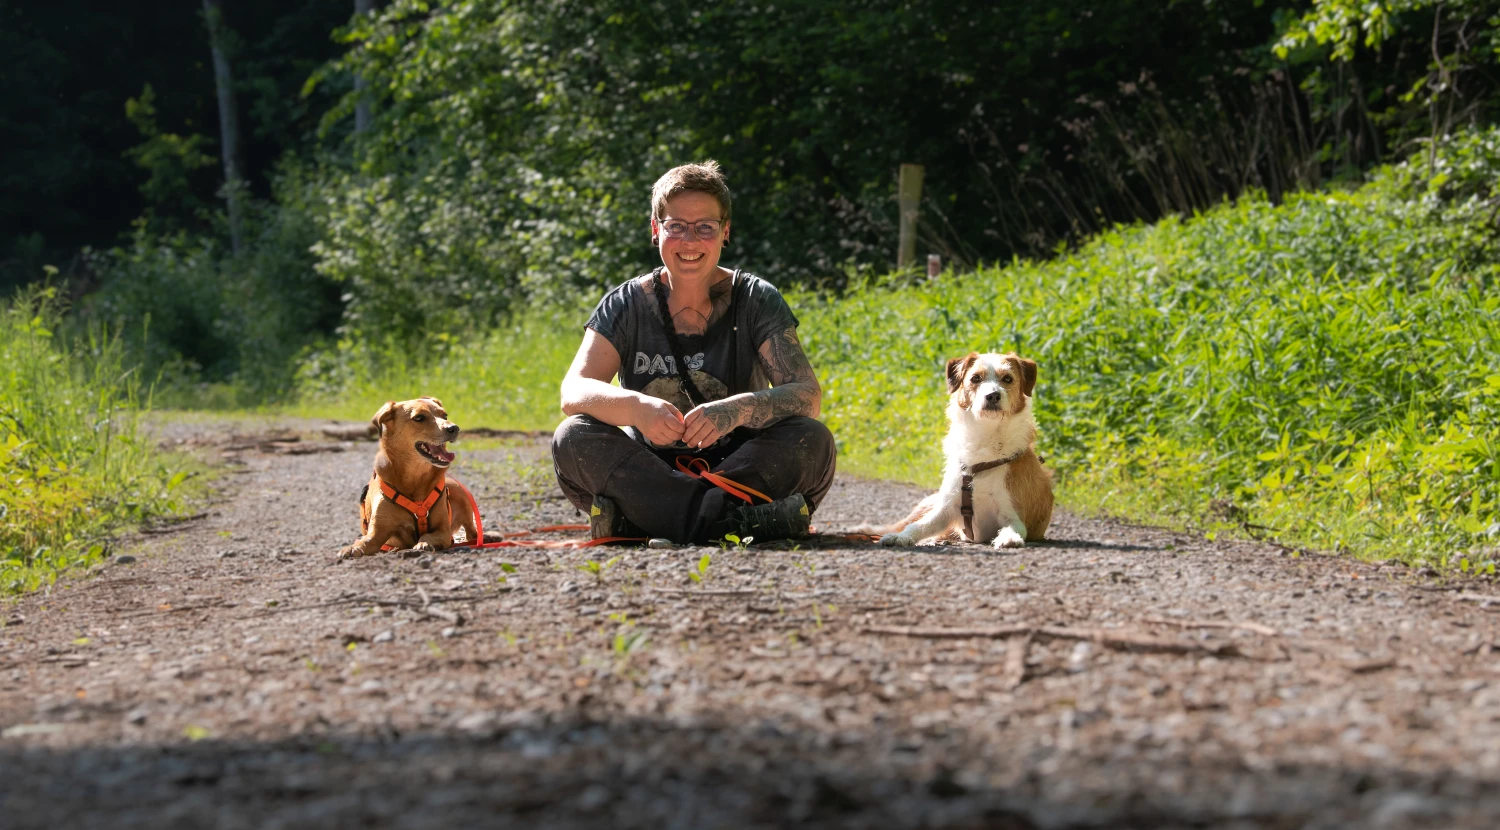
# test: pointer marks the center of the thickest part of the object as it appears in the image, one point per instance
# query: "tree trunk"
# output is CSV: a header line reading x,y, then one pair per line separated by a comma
x,y
229,121
362,104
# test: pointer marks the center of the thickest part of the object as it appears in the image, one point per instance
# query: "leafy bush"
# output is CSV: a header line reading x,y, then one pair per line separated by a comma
x,y
71,461
195,315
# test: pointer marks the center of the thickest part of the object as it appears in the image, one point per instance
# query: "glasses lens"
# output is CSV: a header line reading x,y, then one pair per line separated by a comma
x,y
707,230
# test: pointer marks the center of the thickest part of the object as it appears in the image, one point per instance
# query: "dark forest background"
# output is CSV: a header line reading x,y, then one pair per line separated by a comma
x,y
406,170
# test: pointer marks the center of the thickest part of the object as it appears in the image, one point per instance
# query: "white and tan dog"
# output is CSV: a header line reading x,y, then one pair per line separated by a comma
x,y
995,489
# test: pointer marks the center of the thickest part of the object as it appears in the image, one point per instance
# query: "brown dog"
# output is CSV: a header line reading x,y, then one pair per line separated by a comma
x,y
995,490
410,502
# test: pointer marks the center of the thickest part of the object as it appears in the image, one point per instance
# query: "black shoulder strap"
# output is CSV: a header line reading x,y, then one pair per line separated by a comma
x,y
695,395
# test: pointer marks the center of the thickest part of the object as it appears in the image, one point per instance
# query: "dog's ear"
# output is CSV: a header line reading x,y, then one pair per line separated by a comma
x,y
385,413
1028,375
956,369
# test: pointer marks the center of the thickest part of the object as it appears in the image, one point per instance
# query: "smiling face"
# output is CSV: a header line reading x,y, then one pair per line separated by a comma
x,y
990,385
689,256
416,431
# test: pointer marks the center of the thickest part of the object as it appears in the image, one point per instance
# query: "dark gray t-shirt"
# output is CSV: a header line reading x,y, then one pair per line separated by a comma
x,y
723,361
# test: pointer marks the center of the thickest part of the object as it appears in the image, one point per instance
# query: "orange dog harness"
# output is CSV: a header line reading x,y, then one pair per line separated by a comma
x,y
418,510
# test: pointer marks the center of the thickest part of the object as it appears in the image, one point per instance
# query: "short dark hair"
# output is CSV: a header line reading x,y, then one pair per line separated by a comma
x,y
703,177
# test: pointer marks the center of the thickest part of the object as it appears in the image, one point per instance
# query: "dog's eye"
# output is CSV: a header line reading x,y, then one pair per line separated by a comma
x,y
419,418
976,378
1007,379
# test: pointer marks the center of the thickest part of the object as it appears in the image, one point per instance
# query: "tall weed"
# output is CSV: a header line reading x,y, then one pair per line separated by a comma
x,y
71,461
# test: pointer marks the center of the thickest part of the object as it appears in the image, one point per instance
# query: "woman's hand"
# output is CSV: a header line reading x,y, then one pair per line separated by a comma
x,y
659,422
708,423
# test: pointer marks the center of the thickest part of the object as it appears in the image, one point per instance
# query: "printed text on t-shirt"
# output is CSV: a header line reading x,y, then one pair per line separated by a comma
x,y
663,365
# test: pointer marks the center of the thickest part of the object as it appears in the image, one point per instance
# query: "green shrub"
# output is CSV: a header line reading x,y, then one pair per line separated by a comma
x,y
213,325
72,464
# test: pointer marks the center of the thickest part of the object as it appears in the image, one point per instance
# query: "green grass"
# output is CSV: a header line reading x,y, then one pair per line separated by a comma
x,y
1324,372
507,378
73,468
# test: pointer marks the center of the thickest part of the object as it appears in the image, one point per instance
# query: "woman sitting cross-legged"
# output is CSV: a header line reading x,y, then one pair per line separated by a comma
x,y
710,368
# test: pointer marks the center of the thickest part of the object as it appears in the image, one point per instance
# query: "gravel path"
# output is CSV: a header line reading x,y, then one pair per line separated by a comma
x,y
233,675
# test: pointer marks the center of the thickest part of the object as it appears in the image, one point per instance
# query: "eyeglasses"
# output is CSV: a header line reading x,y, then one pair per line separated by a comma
x,y
706,230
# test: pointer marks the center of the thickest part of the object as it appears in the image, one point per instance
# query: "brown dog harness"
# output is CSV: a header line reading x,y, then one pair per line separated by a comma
x,y
966,489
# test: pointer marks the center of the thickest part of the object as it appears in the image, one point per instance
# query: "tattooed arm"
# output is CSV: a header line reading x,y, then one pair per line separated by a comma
x,y
794,391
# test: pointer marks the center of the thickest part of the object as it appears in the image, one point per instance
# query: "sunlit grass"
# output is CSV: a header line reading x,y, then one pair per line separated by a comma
x,y
507,378
1325,372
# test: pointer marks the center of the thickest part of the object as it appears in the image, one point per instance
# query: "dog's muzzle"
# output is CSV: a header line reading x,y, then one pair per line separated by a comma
x,y
435,453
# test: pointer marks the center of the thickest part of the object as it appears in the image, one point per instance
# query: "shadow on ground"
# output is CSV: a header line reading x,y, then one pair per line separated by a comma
x,y
582,772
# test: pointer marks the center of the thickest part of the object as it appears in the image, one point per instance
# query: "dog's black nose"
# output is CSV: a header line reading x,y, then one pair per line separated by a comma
x,y
993,397
451,429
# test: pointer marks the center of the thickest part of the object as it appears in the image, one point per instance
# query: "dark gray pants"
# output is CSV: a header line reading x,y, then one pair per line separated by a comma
x,y
794,455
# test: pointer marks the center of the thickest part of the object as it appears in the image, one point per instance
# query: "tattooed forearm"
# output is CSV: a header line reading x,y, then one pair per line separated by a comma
x,y
795,389
782,358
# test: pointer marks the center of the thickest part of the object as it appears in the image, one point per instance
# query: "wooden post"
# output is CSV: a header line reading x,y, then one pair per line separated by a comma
x,y
908,197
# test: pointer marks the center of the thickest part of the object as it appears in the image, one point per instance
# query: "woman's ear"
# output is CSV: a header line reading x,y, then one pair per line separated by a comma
x,y
655,233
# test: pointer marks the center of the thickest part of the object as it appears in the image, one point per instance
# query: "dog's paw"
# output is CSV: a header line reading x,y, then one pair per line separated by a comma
x,y
423,546
897,540
1009,538
351,552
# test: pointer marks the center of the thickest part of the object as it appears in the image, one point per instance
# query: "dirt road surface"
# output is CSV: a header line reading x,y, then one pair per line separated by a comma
x,y
226,672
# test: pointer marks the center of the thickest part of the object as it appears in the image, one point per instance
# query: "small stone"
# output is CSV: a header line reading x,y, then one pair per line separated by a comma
x,y
135,717
384,637
125,559
1078,660
477,723
587,611
661,544
450,631
593,797
568,588
424,561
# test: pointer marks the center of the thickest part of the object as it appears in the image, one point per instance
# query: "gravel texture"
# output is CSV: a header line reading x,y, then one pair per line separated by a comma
x,y
226,672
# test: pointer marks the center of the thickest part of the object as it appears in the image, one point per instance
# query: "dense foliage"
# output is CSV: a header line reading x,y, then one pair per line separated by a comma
x,y
68,176
516,141
513,141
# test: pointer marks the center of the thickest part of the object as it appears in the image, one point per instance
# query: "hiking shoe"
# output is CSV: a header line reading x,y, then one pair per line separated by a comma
x,y
606,521
787,518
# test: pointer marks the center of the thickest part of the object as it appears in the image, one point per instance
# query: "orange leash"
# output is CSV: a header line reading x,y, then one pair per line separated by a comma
x,y
698,468
690,464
